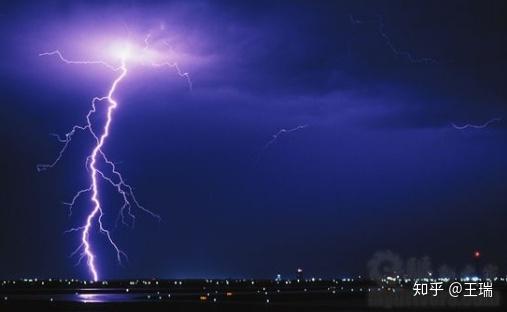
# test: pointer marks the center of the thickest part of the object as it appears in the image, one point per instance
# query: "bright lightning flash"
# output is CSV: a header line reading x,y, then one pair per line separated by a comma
x,y
125,54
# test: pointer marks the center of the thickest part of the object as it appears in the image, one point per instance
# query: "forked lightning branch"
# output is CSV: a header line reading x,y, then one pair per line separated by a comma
x,y
126,54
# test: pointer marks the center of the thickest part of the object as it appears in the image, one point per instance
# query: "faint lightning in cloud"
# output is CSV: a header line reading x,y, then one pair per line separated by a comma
x,y
283,131
387,39
476,126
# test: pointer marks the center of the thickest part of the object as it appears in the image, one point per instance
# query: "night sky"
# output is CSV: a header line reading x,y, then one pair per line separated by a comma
x,y
377,167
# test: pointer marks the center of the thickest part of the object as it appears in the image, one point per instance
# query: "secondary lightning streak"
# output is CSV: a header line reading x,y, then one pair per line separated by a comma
x,y
178,71
169,64
474,126
60,56
97,154
283,131
69,135
407,55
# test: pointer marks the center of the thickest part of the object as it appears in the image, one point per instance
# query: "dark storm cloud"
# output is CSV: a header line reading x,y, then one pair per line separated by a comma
x,y
315,52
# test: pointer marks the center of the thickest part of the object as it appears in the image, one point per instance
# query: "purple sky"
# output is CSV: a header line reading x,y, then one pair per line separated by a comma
x,y
377,167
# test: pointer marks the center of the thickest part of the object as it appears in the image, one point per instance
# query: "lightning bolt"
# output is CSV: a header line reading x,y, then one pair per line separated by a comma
x,y
283,131
475,126
387,39
96,157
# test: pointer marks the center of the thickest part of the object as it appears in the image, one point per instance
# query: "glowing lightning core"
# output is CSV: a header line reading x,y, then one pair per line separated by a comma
x,y
115,178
